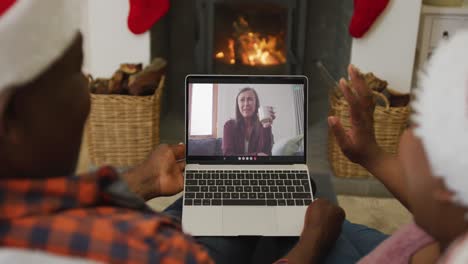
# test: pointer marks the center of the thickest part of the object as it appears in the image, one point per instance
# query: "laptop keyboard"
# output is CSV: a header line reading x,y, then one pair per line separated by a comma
x,y
247,187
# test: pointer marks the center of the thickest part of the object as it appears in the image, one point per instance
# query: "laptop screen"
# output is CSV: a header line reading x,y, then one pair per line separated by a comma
x,y
246,119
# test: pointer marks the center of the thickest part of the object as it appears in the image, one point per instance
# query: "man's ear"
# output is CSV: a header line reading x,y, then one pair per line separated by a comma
x,y
441,193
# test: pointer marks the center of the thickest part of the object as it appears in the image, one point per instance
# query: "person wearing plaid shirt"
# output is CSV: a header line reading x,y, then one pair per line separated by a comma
x,y
91,216
100,216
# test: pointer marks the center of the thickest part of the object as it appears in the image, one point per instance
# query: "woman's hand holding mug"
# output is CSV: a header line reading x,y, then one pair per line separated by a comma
x,y
266,115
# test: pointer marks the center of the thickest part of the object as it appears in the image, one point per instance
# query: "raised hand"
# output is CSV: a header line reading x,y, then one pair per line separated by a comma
x,y
358,144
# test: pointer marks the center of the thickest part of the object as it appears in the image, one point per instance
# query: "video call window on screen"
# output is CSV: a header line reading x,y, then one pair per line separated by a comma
x,y
253,120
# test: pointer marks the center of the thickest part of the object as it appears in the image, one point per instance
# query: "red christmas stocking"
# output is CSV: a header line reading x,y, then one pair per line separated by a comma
x,y
5,5
144,13
365,13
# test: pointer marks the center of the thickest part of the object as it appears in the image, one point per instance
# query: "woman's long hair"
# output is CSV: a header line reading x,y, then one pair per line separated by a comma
x,y
239,117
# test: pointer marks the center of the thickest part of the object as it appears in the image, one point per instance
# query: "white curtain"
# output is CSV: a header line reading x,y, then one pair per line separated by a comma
x,y
299,108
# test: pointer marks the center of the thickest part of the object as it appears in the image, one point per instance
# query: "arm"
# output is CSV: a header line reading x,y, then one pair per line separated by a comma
x,y
302,253
322,226
229,138
359,143
267,136
263,143
388,169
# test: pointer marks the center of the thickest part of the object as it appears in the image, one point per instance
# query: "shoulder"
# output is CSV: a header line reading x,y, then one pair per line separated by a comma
x,y
231,123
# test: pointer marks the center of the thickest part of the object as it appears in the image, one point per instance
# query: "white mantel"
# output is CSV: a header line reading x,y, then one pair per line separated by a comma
x,y
107,40
389,48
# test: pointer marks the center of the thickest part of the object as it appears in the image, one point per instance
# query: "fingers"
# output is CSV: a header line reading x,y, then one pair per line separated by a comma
x,y
359,83
364,94
181,165
178,150
180,183
353,101
348,94
267,124
341,136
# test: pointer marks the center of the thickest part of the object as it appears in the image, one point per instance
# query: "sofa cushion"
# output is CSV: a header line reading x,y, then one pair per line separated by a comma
x,y
204,147
288,146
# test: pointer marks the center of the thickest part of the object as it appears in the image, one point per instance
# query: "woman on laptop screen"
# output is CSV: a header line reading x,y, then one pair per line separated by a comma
x,y
250,132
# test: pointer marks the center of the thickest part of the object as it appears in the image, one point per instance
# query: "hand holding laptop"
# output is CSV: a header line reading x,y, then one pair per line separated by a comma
x,y
322,226
161,174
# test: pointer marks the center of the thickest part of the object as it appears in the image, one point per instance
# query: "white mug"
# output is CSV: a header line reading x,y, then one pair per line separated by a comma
x,y
264,113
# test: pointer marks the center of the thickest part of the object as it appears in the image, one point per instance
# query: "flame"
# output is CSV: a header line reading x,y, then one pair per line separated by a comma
x,y
252,48
231,51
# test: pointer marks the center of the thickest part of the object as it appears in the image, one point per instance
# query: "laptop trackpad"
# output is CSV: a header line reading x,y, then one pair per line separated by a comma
x,y
249,221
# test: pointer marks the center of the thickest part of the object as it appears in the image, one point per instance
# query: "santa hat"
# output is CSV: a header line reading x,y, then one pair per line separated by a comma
x,y
457,252
34,34
441,114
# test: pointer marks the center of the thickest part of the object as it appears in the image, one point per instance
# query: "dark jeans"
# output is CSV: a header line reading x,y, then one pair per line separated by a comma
x,y
355,242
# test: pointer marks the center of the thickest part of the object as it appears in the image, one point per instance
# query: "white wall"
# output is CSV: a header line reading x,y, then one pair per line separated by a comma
x,y
107,39
389,48
276,95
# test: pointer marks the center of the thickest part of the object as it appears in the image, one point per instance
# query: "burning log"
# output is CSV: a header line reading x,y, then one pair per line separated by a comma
x,y
251,48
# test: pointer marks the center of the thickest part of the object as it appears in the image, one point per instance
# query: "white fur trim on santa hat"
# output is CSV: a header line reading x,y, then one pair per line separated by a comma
x,y
457,253
34,34
441,114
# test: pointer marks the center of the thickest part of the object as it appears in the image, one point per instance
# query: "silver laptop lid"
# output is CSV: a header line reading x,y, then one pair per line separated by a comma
x,y
246,119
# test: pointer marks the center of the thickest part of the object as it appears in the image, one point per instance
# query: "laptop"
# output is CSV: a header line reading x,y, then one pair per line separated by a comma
x,y
246,154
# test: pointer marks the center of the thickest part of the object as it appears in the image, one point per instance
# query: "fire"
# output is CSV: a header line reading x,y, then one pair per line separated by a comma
x,y
251,48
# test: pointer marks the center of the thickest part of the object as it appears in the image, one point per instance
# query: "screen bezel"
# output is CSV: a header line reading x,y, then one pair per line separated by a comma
x,y
247,79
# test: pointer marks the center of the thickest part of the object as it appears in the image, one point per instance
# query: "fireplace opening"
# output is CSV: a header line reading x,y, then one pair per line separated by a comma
x,y
250,37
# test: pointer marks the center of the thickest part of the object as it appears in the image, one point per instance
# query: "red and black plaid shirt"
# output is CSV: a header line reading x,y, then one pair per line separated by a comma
x,y
90,217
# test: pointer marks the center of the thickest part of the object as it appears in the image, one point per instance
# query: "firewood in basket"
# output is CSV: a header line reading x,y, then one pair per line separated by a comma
x,y
131,68
146,81
156,65
100,86
116,82
373,82
396,98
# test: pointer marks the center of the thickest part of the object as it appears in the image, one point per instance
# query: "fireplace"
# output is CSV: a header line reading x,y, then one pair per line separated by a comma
x,y
307,31
250,37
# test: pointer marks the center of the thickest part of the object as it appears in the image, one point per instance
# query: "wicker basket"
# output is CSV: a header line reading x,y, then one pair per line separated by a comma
x,y
122,130
389,124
